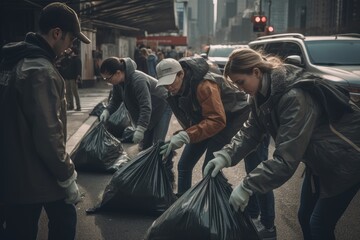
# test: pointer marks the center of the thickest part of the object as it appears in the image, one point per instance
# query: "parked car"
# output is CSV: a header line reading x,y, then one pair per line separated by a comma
x,y
336,57
218,55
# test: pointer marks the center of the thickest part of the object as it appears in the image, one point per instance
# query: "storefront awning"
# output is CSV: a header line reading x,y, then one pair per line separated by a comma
x,y
153,16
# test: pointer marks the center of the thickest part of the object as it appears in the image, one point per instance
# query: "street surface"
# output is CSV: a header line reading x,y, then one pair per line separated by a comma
x,y
117,225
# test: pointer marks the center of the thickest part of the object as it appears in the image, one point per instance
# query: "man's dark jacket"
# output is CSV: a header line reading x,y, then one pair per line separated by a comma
x,y
32,124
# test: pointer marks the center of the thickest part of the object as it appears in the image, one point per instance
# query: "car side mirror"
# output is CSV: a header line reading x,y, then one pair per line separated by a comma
x,y
295,60
204,55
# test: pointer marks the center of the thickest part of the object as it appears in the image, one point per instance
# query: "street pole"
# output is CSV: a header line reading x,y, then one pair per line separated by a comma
x,y
269,17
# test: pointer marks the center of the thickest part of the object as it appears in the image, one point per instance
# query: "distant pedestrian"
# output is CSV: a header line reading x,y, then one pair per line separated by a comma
x,y
173,53
36,172
145,103
137,53
151,63
142,64
70,69
160,56
312,120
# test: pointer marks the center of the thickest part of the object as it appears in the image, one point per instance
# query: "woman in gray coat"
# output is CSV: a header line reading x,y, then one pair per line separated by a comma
x,y
141,97
311,120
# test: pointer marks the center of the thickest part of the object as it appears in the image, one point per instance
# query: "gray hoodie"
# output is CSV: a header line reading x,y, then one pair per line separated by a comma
x,y
140,95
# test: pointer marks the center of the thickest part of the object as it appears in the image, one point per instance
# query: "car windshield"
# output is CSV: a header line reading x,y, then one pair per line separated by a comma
x,y
220,52
334,52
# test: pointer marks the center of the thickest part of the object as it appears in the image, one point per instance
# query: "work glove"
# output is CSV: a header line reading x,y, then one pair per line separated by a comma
x,y
221,160
176,141
138,134
104,115
73,195
239,197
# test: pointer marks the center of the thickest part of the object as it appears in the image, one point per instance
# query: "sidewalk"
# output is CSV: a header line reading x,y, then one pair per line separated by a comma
x,y
78,123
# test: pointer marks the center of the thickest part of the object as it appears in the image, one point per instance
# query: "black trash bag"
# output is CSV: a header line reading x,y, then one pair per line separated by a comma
x,y
99,151
203,213
118,121
127,136
98,109
141,186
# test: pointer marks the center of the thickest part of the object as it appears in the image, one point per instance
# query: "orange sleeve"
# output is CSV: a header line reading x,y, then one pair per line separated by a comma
x,y
213,113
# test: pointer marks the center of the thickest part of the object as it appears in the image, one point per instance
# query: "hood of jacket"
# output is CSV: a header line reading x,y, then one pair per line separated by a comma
x,y
130,66
197,67
283,77
334,98
34,46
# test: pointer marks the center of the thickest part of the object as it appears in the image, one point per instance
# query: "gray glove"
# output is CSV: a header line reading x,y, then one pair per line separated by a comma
x,y
239,197
221,160
73,195
138,134
104,115
176,141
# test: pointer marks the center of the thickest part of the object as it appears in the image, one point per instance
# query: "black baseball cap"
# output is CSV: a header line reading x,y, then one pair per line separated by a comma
x,y
60,15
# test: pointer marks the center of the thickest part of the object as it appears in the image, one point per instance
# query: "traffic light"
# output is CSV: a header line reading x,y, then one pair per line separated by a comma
x,y
269,30
259,23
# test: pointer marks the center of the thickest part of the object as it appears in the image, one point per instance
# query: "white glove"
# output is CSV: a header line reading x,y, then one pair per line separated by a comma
x,y
221,160
104,115
138,134
73,195
176,141
239,197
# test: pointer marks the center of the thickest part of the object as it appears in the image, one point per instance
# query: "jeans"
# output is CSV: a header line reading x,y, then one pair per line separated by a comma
x,y
22,220
193,151
159,131
319,216
262,205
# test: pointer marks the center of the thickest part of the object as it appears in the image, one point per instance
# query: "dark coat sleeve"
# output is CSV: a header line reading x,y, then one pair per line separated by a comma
x,y
298,114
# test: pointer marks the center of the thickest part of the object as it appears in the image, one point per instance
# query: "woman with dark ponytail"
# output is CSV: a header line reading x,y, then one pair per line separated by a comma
x,y
141,97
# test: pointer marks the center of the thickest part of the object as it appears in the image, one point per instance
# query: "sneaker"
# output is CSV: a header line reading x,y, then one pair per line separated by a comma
x,y
263,232
268,233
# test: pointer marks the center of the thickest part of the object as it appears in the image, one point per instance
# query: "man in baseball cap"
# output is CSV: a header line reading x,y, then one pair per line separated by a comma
x,y
209,110
39,174
60,15
167,70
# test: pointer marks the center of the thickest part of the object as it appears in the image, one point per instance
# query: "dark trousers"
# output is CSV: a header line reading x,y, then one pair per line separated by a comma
x,y
193,152
262,205
22,221
319,216
71,92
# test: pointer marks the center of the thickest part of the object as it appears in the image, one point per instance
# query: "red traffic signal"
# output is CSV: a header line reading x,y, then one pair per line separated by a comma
x,y
270,29
259,23
259,19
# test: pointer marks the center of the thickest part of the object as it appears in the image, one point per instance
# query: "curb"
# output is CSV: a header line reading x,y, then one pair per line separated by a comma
x,y
75,139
